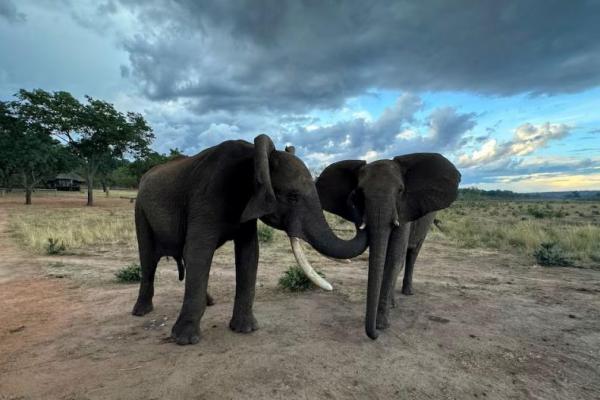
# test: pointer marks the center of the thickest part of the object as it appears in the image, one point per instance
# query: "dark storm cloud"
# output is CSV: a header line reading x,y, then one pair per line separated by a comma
x,y
9,11
285,55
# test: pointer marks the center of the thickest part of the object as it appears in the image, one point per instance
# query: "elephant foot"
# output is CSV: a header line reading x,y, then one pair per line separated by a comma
x,y
209,300
243,323
382,322
142,308
407,290
185,333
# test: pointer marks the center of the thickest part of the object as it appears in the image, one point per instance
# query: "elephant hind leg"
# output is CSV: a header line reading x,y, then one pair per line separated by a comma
x,y
148,262
411,257
210,301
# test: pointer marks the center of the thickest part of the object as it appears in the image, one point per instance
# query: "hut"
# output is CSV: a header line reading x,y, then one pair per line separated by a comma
x,y
67,182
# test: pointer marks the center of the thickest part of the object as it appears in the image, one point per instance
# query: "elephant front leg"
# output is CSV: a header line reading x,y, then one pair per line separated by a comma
x,y
198,260
246,263
394,261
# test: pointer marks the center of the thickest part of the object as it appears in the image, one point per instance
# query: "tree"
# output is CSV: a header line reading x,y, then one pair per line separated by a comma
x,y
28,150
94,132
143,164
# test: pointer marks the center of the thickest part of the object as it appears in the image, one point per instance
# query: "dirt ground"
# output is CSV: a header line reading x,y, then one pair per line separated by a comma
x,y
481,325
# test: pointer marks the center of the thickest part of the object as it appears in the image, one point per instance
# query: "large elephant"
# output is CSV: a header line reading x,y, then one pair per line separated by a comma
x,y
189,207
385,197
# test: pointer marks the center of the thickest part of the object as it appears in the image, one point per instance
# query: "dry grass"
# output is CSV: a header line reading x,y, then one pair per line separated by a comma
x,y
519,227
78,228
524,226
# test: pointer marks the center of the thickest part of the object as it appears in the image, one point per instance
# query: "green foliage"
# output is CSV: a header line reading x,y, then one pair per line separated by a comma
x,y
294,280
549,254
95,132
547,212
143,164
27,150
265,233
55,247
129,274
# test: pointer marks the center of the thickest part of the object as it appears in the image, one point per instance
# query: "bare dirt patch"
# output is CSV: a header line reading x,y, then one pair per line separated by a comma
x,y
481,325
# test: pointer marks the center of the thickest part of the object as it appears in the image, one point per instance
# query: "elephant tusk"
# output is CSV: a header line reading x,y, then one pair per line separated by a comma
x,y
306,267
362,226
396,222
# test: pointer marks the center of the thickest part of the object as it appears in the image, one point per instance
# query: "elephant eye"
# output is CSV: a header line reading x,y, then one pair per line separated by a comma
x,y
293,197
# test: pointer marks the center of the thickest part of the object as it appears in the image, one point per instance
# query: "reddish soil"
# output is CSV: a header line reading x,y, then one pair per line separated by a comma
x,y
480,325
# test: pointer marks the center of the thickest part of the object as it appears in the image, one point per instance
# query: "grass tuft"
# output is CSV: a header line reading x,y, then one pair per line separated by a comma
x,y
55,247
129,274
294,280
551,255
265,233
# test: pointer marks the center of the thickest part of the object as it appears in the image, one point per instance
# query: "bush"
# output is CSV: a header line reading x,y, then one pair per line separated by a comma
x,y
294,279
549,254
130,273
54,247
265,233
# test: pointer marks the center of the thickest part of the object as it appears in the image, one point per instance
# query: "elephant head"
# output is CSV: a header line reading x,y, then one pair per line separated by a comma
x,y
385,195
285,197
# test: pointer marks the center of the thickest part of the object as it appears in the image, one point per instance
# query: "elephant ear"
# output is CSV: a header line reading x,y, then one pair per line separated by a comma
x,y
262,201
430,184
336,183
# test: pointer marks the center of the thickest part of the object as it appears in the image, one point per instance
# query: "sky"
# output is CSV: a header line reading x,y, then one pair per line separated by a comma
x,y
509,91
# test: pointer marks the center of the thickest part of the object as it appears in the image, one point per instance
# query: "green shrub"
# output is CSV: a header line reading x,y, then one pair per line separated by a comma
x,y
549,254
130,273
294,279
54,247
265,233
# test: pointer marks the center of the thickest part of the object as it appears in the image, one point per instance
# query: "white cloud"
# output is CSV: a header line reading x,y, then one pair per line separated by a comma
x,y
527,138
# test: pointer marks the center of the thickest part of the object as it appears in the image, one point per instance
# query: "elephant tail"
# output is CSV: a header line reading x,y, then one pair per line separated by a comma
x,y
438,225
180,267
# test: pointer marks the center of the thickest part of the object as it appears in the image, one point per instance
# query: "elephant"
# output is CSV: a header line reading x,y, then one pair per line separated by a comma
x,y
189,207
395,202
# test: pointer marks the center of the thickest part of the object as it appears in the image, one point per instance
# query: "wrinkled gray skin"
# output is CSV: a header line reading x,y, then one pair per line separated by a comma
x,y
189,207
396,200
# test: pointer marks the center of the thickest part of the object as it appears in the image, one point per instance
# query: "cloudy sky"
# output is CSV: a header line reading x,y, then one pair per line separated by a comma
x,y
509,91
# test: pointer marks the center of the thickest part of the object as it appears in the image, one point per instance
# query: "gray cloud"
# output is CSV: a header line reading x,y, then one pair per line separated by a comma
x,y
9,11
295,56
396,131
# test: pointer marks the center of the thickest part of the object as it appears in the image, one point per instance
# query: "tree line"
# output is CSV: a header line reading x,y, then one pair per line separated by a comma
x,y
43,134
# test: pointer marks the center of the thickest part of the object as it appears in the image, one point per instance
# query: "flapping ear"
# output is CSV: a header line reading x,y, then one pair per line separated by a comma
x,y
262,201
430,184
336,183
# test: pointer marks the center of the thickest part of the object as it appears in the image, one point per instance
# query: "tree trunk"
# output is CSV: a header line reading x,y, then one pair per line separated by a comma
x,y
27,186
90,188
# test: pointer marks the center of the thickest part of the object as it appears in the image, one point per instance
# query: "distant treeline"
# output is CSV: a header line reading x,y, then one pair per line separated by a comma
x,y
480,194
44,134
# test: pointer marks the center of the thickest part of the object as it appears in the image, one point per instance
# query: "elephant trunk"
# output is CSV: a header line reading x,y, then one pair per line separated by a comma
x,y
319,235
379,228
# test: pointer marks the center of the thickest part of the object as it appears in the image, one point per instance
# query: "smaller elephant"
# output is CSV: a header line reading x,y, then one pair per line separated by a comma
x,y
395,201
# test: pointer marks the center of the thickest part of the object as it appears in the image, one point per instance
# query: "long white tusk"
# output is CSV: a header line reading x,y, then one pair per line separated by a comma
x,y
306,267
362,226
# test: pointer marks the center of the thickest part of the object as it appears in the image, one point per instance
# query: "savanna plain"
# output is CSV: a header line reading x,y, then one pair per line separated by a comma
x,y
506,306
